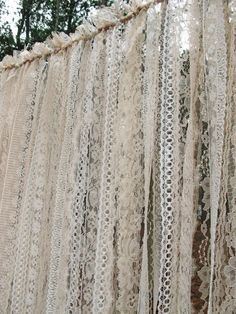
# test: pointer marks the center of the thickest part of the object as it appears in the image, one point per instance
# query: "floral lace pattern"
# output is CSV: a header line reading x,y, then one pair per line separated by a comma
x,y
118,167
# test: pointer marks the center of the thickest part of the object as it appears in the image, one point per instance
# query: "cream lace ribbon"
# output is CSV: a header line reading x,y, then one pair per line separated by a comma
x,y
216,58
104,156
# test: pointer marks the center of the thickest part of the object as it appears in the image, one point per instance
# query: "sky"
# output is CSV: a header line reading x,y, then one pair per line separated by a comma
x,y
11,6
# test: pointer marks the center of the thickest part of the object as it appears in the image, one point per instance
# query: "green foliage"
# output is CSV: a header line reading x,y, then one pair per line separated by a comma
x,y
6,40
38,18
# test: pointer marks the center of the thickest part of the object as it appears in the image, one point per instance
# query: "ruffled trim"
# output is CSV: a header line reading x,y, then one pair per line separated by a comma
x,y
98,20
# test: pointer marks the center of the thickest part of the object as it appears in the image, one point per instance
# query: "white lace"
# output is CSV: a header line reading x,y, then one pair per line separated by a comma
x,y
117,164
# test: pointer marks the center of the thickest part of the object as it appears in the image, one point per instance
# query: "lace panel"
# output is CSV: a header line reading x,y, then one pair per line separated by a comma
x,y
83,238
128,228
30,274
189,62
117,164
16,172
224,282
59,214
216,62
103,294
149,111
169,162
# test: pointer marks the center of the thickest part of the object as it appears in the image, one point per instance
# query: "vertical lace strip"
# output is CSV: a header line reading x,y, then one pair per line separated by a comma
x,y
189,73
16,170
130,164
103,294
59,222
33,213
79,205
223,294
216,69
169,161
149,111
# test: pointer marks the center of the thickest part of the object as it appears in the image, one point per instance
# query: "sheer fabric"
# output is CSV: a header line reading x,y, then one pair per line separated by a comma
x,y
118,167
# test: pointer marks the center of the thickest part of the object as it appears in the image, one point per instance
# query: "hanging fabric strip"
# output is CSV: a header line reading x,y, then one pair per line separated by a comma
x,y
62,183
223,294
169,161
117,164
33,216
216,73
103,294
130,165
189,73
150,107
79,206
19,154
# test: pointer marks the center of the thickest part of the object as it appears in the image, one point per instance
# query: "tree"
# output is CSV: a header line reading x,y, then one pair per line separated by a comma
x,y
6,35
38,18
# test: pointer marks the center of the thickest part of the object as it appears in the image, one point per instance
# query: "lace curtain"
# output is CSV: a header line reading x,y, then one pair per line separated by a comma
x,y
118,164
